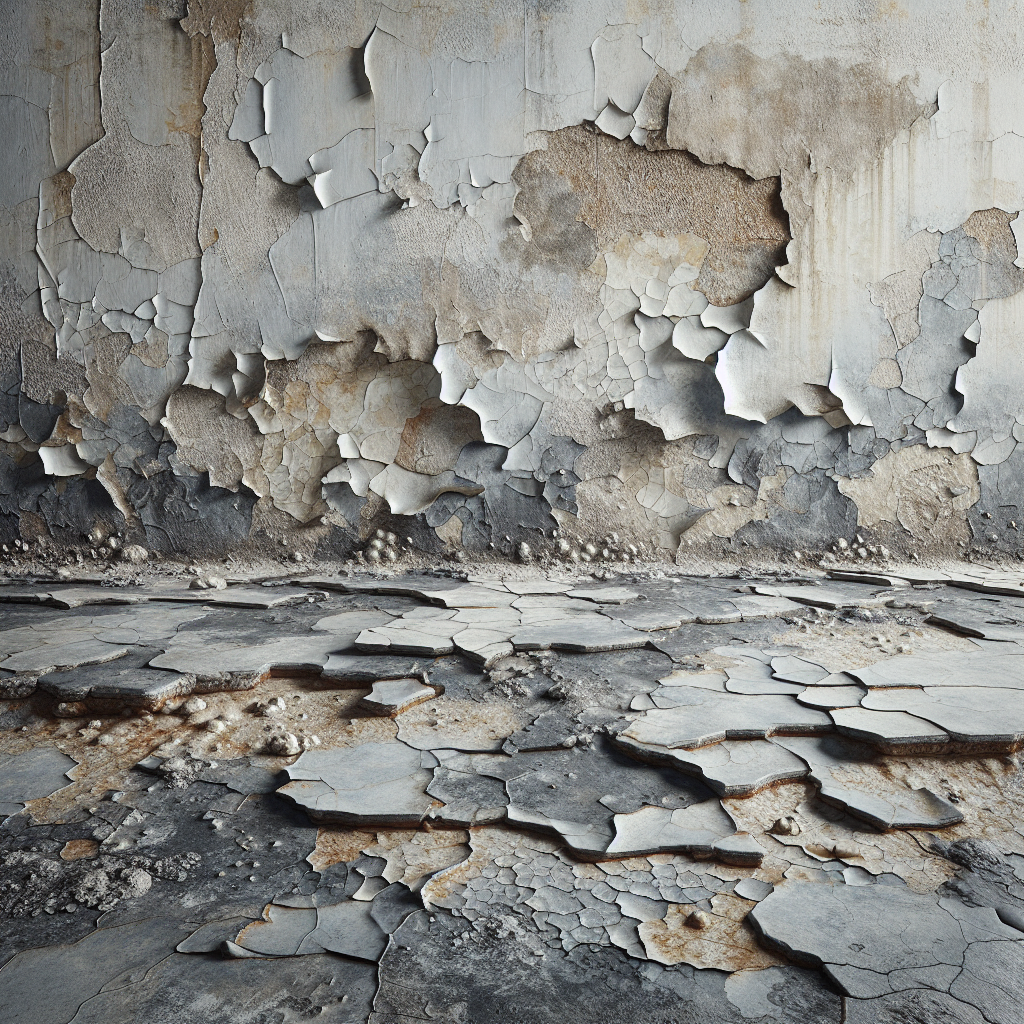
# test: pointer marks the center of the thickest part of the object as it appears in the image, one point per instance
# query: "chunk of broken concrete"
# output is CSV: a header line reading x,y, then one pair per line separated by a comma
x,y
393,696
371,784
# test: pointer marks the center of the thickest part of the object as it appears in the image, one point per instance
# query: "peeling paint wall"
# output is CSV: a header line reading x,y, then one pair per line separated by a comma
x,y
713,277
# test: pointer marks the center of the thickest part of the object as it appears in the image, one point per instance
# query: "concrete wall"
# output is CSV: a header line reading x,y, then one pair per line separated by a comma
x,y
715,277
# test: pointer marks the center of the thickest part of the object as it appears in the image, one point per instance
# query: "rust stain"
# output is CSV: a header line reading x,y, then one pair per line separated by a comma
x,y
80,849
726,943
416,854
765,114
446,882
335,845
187,119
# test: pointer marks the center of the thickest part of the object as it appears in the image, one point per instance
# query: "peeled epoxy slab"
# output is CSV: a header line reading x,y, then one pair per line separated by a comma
x,y
709,717
207,652
650,617
576,794
372,784
798,670
835,765
728,768
470,796
986,668
68,641
711,602
34,773
991,618
584,838
875,939
484,646
682,644
346,928
831,596
979,626
868,576
828,697
711,609
604,595
349,624
583,635
753,889
58,655
432,589
987,580
229,597
482,633
539,586
753,676
674,690
471,595
913,808
127,679
744,681
763,606
210,655
424,631
70,597
16,595
540,608
968,714
368,668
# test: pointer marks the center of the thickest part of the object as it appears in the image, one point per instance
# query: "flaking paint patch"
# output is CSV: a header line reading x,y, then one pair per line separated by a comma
x,y
359,267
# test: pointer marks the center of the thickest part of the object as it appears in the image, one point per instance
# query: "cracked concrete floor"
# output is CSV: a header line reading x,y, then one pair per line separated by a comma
x,y
506,796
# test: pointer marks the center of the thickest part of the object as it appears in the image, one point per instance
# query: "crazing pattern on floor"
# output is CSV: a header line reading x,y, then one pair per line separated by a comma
x,y
491,797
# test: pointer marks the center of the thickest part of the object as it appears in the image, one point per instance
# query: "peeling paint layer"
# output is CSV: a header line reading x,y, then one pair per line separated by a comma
x,y
506,276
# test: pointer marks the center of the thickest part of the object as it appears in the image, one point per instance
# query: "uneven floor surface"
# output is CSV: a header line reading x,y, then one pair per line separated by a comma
x,y
503,795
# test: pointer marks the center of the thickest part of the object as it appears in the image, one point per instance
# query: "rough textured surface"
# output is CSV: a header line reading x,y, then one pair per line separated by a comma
x,y
625,286
511,512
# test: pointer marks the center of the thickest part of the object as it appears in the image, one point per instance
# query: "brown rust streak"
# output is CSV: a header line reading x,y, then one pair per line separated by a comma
x,y
219,19
335,845
433,439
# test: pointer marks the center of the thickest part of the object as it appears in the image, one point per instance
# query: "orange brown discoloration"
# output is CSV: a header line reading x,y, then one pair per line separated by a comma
x,y
80,849
727,943
335,845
